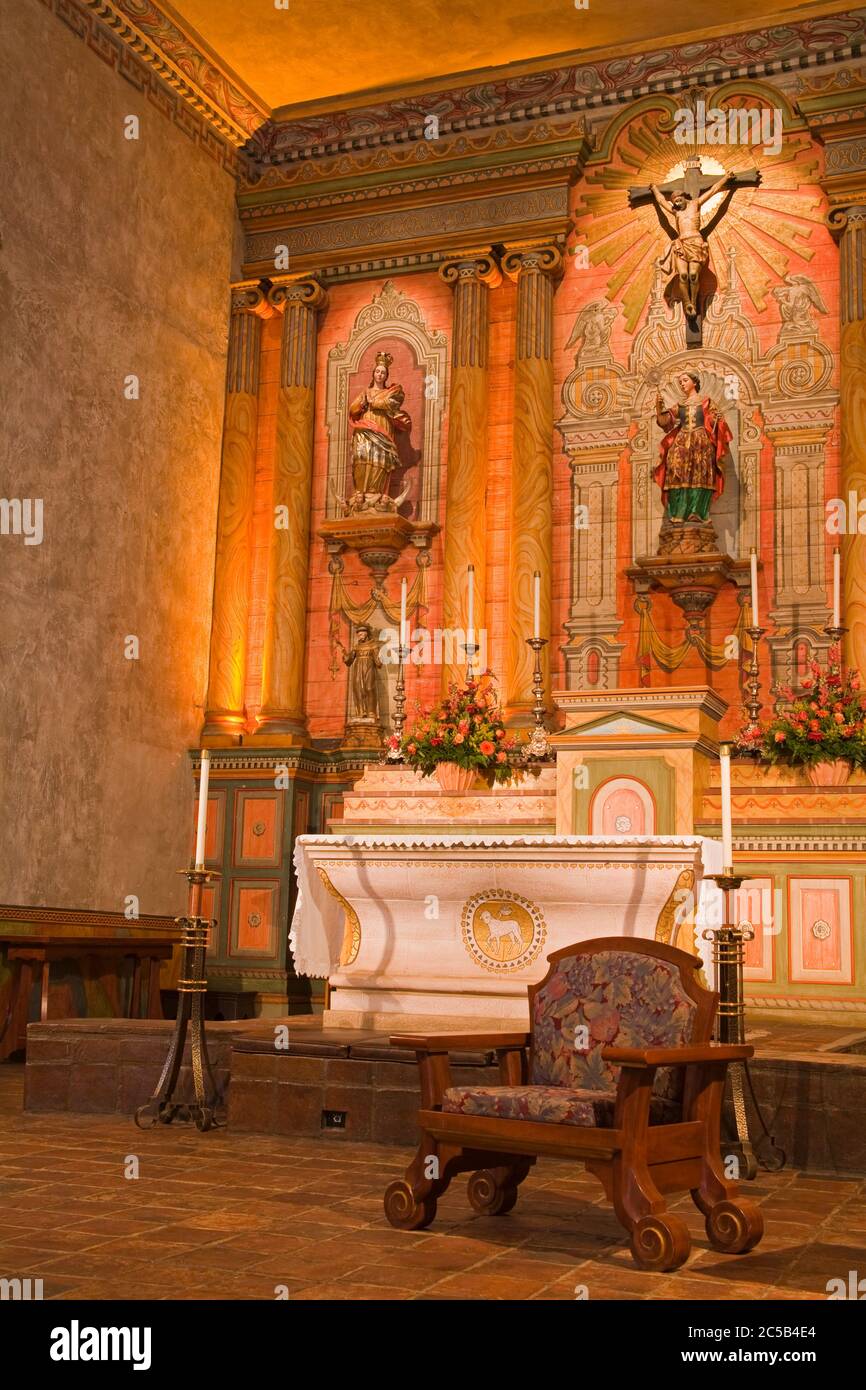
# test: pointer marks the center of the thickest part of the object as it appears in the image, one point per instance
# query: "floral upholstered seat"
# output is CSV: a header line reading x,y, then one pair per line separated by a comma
x,y
556,1105
589,1002
609,998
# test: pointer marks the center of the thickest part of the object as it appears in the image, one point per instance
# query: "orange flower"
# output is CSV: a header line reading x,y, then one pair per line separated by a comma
x,y
501,757
458,738
486,747
840,718
780,736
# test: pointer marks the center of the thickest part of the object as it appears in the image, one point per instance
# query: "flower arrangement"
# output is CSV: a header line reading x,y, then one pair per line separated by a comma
x,y
824,723
465,728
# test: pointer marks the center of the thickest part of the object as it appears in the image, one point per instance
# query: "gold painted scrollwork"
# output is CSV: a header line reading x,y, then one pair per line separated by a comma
x,y
667,920
352,930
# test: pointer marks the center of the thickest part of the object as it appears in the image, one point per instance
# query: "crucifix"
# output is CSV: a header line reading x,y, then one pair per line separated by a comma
x,y
679,204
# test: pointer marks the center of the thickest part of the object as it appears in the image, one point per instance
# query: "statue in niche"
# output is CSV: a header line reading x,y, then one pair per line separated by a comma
x,y
377,417
363,662
798,299
690,471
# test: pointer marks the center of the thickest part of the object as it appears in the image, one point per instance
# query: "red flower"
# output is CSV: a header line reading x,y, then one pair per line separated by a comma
x,y
813,724
486,747
501,757
807,682
413,748
500,733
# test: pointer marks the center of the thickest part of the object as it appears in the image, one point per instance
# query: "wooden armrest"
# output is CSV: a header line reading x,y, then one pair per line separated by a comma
x,y
676,1056
449,1042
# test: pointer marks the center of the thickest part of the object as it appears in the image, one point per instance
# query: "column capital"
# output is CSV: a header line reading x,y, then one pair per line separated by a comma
x,y
248,297
303,290
538,257
844,218
476,264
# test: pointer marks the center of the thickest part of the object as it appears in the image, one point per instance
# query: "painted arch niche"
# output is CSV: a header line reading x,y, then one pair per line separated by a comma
x,y
622,806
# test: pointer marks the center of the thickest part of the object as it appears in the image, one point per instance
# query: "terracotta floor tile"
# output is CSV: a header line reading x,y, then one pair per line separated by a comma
x,y
229,1216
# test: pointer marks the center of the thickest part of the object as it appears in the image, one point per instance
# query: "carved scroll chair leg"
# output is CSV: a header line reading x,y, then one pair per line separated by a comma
x,y
493,1191
659,1239
410,1202
734,1224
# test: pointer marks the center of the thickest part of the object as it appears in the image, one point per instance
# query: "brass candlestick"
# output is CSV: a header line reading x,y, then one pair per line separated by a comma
x,y
162,1107
470,651
538,748
395,754
835,633
728,943
752,688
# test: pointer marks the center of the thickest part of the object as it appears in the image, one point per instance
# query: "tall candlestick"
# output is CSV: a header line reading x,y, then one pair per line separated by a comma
x,y
201,829
727,827
536,579
754,560
471,623
403,634
837,588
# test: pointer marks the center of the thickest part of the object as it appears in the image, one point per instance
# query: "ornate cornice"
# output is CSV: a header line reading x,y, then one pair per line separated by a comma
x,y
198,77
480,120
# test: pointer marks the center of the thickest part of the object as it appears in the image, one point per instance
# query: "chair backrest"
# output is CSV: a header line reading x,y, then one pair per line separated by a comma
x,y
615,991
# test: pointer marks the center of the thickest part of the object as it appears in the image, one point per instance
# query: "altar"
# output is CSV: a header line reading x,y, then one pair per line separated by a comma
x,y
448,930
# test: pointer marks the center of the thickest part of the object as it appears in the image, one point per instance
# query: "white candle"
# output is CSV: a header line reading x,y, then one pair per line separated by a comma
x,y
537,605
837,588
404,636
201,829
471,623
727,828
754,560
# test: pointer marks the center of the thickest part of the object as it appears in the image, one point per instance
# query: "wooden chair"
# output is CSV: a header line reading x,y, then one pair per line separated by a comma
x,y
618,1071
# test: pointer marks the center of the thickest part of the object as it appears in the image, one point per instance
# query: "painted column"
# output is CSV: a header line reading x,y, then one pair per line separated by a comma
x,y
225,712
282,712
472,275
852,391
536,269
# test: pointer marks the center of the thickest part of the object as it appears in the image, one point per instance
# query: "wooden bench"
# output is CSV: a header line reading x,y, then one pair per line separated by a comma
x,y
617,1071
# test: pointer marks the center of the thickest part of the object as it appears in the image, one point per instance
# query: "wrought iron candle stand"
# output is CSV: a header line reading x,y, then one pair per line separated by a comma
x,y
728,943
538,748
163,1106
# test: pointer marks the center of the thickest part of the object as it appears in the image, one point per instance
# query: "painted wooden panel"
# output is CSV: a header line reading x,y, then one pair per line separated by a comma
x,y
214,829
258,828
210,908
301,823
820,930
622,806
754,902
254,917
332,809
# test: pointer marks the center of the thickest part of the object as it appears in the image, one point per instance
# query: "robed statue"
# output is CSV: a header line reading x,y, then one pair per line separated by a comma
x,y
377,418
363,661
690,470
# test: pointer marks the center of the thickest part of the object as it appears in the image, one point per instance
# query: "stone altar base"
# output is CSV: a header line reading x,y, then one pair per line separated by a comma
x,y
810,1080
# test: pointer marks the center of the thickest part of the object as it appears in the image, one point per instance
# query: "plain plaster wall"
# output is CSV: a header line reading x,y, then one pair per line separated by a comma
x,y
116,257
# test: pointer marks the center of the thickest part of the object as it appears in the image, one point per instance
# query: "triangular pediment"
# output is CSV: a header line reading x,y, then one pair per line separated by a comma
x,y
619,724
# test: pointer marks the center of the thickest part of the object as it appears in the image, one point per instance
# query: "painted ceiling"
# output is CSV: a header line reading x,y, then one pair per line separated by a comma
x,y
295,52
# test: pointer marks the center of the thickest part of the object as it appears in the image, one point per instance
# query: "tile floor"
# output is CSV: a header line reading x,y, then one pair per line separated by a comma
x,y
222,1216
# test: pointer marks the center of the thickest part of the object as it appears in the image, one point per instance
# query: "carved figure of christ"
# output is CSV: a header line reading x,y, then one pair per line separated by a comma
x,y
682,215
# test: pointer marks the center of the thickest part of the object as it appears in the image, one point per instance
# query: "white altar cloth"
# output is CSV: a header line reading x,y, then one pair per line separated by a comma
x,y
456,926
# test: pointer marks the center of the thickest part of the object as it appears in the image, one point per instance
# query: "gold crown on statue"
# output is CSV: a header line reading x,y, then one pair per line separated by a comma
x,y
383,359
